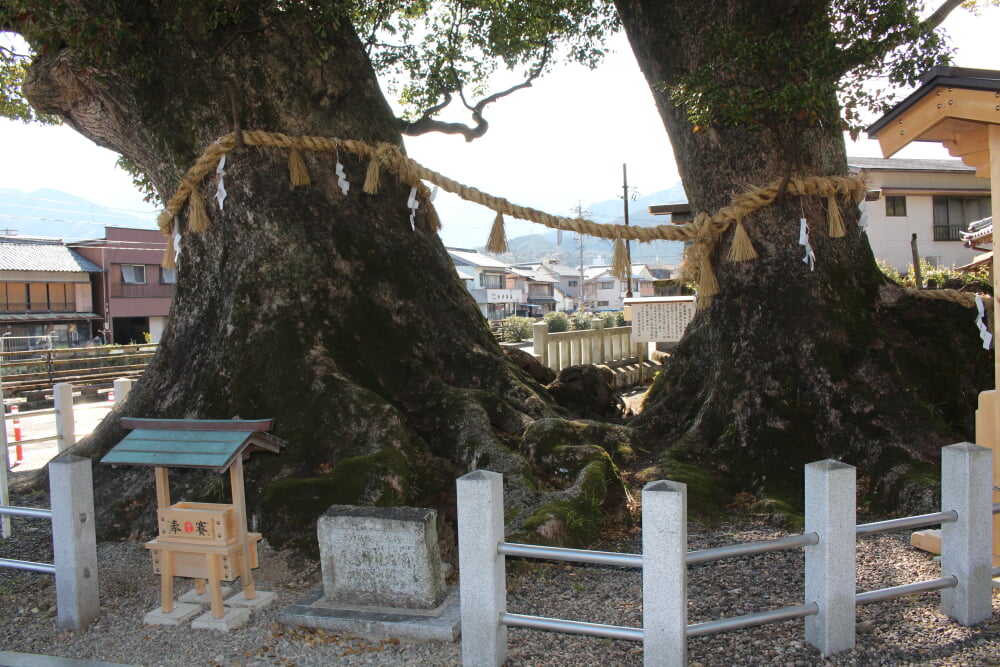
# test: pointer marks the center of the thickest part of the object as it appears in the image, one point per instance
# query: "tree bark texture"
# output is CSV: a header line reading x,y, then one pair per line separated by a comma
x,y
325,312
790,365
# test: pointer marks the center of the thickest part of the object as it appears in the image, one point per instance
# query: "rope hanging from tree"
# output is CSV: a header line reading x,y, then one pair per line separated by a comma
x,y
704,231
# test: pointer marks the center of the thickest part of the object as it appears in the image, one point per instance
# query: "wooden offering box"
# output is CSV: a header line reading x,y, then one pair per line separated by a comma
x,y
198,523
208,542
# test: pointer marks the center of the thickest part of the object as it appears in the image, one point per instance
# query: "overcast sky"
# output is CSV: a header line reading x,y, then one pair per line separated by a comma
x,y
560,142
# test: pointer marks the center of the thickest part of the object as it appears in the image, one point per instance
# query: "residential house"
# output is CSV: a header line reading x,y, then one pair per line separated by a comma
x,y
603,291
934,199
133,292
567,282
489,288
535,289
45,292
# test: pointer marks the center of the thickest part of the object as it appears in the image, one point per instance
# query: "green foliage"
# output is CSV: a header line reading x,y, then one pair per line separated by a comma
x,y
557,322
774,70
430,50
139,180
612,318
580,320
515,329
940,277
889,271
13,70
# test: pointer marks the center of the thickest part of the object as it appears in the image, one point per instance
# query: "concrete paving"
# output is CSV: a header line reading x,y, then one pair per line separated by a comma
x,y
87,416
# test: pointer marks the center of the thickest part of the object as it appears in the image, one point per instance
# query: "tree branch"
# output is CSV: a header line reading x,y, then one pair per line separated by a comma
x,y
940,14
427,123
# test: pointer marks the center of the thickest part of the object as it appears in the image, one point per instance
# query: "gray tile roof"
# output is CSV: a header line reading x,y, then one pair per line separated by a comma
x,y
897,164
28,254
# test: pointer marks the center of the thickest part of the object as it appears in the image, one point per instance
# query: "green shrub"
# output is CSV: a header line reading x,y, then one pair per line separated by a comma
x,y
613,319
940,277
557,322
890,272
515,329
580,320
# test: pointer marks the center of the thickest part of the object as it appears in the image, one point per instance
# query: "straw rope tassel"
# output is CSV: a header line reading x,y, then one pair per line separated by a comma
x,y
742,249
372,175
833,217
497,243
297,168
708,286
619,261
169,254
197,214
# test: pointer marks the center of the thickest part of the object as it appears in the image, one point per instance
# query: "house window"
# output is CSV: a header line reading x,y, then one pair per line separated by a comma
x,y
895,207
491,280
17,298
168,276
134,274
38,297
62,297
953,214
609,284
602,304
572,283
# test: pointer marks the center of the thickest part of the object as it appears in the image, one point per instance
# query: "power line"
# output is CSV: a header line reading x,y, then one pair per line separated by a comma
x,y
58,201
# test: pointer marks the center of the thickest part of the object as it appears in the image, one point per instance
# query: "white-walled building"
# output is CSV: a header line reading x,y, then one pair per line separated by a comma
x,y
934,199
489,282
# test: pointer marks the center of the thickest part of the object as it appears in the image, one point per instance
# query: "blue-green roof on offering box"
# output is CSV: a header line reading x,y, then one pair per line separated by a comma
x,y
191,443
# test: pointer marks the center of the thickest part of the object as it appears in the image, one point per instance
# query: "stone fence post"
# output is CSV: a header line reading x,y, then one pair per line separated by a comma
x,y
664,573
482,568
831,512
966,544
540,337
74,542
62,397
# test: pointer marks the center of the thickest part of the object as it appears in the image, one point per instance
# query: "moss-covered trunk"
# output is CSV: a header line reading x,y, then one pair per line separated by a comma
x,y
789,364
328,313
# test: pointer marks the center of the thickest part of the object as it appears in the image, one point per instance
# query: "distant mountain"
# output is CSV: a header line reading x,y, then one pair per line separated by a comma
x,y
536,247
61,215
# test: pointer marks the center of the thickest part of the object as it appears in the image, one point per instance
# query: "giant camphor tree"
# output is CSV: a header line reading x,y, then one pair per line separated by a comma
x,y
789,364
330,313
336,317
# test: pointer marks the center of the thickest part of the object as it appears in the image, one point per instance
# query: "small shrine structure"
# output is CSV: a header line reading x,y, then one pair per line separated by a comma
x,y
208,542
960,108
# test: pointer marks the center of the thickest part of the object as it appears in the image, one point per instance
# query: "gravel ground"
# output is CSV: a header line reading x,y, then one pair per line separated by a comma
x,y
909,631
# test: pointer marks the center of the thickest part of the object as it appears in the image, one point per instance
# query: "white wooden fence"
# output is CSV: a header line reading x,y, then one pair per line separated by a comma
x,y
829,542
596,345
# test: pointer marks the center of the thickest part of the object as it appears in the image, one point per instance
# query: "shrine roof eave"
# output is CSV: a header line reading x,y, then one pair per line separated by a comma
x,y
953,77
191,443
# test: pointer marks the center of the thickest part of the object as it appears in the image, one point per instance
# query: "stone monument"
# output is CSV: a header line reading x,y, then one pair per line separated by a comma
x,y
382,576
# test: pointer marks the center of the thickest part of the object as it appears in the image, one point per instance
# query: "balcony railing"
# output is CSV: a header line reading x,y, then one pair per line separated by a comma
x,y
147,290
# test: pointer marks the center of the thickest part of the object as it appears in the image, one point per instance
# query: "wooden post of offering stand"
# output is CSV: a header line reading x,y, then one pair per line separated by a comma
x,y
960,108
207,542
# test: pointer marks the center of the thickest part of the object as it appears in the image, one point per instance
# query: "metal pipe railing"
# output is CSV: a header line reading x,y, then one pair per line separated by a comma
x,y
907,523
572,555
882,594
750,620
751,548
46,568
30,512
571,627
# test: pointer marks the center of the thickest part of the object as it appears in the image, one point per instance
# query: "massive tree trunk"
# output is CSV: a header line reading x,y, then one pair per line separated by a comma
x,y
790,365
326,312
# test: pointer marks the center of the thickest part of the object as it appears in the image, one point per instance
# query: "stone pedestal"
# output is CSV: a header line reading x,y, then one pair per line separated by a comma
x,y
382,576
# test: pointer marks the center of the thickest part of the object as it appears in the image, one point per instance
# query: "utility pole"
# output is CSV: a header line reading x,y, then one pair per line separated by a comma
x,y
628,196
580,213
